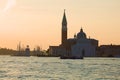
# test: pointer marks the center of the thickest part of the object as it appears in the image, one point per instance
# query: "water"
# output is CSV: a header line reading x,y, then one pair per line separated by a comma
x,y
41,68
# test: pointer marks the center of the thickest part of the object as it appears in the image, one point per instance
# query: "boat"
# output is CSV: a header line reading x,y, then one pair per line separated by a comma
x,y
71,57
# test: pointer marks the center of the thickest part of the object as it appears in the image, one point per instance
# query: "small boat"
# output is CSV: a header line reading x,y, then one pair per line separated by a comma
x,y
67,57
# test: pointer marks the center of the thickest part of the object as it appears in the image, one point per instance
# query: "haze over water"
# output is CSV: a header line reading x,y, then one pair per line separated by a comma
x,y
40,68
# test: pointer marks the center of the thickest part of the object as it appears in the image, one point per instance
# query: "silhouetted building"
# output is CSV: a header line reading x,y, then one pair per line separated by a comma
x,y
76,47
109,51
27,51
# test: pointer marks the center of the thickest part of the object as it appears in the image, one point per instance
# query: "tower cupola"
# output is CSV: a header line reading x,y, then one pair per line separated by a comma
x,y
81,34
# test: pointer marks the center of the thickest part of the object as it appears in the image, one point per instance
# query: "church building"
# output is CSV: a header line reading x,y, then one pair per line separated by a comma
x,y
76,47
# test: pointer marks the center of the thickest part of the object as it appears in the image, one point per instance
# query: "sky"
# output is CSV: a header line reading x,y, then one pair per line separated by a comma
x,y
38,22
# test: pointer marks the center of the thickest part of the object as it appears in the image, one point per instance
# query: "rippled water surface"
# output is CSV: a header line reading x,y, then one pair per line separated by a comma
x,y
53,68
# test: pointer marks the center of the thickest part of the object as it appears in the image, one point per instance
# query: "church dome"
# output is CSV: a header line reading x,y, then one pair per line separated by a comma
x,y
81,34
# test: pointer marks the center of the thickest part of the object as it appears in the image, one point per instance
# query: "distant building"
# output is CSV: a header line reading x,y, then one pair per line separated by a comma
x,y
109,50
76,47
27,51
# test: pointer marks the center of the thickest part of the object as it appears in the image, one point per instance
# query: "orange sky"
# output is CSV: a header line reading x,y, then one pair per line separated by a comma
x,y
38,22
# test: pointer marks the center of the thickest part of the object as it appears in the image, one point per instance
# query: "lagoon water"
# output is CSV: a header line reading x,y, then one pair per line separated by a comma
x,y
53,68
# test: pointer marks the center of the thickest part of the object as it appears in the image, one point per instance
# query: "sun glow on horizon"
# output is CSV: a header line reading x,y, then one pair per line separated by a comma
x,y
9,5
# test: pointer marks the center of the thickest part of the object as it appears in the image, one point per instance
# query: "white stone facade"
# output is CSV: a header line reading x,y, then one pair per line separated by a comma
x,y
83,49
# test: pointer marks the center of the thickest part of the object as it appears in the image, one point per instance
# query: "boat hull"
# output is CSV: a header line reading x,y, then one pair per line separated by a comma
x,y
66,57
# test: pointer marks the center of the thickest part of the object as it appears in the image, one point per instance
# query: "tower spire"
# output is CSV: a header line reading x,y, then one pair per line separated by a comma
x,y
64,10
64,28
64,21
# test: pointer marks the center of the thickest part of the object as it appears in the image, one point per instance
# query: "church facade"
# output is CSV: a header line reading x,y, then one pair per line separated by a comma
x,y
76,47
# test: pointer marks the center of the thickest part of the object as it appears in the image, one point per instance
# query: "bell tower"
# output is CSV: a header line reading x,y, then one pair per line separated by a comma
x,y
64,29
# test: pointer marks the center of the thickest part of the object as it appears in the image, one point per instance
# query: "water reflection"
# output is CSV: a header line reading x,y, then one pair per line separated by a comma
x,y
35,68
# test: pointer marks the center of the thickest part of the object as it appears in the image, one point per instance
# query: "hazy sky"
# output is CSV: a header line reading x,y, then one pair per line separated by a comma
x,y
38,22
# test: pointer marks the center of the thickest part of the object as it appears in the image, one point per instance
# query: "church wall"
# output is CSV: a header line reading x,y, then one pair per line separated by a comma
x,y
89,50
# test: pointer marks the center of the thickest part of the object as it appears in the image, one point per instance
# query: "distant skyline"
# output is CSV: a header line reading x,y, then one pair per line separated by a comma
x,y
38,22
